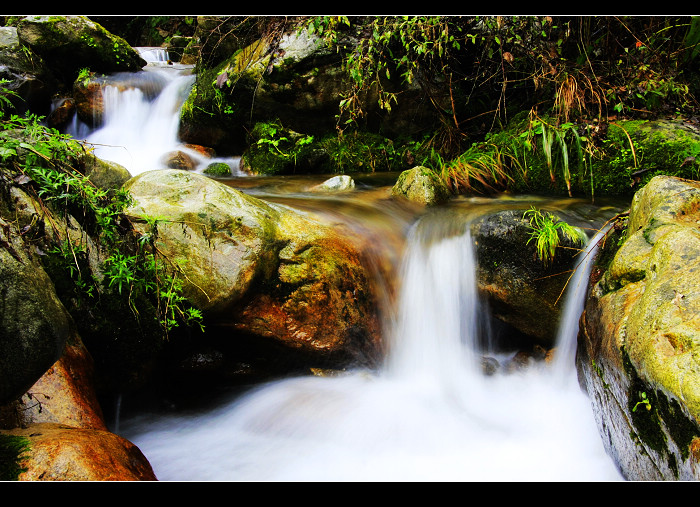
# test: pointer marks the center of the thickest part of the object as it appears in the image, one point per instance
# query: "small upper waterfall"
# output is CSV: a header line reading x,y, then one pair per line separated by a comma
x,y
138,129
154,54
141,116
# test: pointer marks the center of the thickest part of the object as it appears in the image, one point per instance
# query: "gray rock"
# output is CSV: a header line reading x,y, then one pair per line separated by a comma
x,y
34,325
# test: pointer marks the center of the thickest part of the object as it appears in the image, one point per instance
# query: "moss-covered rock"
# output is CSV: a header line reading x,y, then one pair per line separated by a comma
x,y
74,42
104,174
263,269
34,325
421,185
640,335
26,73
636,151
521,290
275,149
222,238
217,169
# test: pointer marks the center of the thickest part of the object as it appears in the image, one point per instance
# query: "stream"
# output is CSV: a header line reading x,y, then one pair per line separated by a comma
x,y
427,413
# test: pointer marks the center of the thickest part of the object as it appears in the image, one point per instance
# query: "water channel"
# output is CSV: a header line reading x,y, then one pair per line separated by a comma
x,y
428,413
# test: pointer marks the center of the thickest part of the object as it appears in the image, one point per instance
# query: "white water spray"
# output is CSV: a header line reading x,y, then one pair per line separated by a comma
x,y
577,290
141,116
429,415
138,131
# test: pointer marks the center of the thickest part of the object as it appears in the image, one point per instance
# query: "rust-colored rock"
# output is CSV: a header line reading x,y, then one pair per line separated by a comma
x,y
322,302
59,452
65,393
89,102
62,114
179,160
202,150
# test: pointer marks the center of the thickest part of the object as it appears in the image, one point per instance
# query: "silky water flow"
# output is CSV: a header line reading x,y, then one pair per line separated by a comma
x,y
429,414
141,116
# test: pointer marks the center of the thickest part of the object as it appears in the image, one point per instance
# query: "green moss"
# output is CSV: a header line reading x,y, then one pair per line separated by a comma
x,y
636,151
218,169
645,416
12,449
662,412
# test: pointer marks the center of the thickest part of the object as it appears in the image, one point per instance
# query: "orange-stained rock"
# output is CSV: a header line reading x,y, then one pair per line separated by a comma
x,y
62,453
202,150
321,301
65,393
89,102
179,160
62,114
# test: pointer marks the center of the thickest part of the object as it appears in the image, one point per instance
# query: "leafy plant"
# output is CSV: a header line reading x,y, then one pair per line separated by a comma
x,y
12,449
644,402
557,143
483,167
547,233
84,76
47,165
5,95
279,145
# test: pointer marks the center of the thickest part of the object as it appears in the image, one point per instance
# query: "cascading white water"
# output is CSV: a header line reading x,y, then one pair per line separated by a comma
x,y
141,117
138,131
577,289
154,54
428,415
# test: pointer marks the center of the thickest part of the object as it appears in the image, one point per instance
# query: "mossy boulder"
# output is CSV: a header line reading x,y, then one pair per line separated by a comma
x,y
221,238
263,269
26,74
636,151
421,185
639,340
70,43
217,169
104,174
297,79
34,324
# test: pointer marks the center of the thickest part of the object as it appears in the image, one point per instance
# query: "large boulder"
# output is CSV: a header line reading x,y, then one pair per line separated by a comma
x,y
520,289
26,74
221,238
639,339
59,452
34,324
264,269
65,394
71,43
296,79
421,185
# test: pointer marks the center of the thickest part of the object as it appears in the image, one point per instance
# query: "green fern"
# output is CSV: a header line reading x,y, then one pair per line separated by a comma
x,y
548,231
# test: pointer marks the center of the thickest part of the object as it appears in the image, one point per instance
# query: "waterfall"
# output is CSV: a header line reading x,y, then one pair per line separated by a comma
x,y
139,129
428,415
154,54
439,302
141,116
576,292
